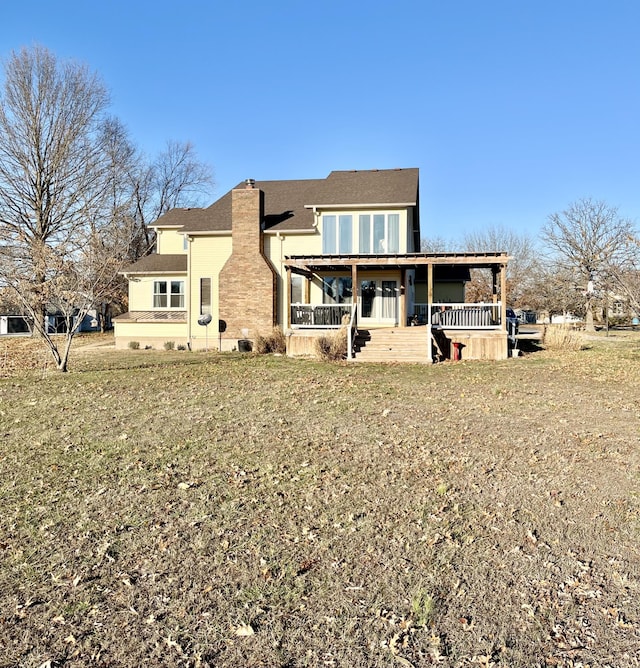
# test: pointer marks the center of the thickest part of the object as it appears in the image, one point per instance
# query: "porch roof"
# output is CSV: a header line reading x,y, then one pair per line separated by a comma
x,y
152,316
479,260
158,264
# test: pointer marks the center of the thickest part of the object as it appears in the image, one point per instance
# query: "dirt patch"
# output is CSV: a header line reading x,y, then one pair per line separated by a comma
x,y
174,508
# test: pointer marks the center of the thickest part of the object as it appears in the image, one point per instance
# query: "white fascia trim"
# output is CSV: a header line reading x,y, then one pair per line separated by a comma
x,y
287,232
363,205
126,274
199,233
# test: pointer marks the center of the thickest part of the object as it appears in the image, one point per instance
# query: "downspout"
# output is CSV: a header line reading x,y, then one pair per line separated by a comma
x,y
286,277
503,295
188,290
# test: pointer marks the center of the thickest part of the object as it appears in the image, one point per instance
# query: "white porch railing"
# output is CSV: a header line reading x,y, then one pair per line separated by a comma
x,y
452,315
449,315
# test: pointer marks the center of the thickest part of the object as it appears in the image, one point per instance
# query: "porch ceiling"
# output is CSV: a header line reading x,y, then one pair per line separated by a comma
x,y
305,263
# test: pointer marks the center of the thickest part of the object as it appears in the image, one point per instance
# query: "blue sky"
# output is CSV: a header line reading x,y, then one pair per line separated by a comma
x,y
512,109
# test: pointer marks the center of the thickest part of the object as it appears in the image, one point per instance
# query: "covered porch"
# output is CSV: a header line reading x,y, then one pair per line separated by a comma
x,y
393,292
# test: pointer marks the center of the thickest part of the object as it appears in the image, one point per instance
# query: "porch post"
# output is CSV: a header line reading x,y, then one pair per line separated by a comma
x,y
354,284
494,283
288,291
307,289
429,302
403,297
503,295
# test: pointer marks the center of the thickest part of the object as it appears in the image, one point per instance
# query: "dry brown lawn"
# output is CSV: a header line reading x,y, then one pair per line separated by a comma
x,y
192,509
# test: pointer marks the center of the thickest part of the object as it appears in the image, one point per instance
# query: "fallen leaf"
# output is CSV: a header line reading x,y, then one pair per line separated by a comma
x,y
244,630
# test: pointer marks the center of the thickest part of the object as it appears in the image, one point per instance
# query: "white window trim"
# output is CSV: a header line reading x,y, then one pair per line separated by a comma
x,y
355,230
168,294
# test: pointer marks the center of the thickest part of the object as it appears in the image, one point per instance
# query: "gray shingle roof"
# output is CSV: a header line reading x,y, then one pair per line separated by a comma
x,y
158,263
285,201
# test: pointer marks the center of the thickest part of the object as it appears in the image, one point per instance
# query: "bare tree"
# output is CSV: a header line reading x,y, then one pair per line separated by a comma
x,y
53,178
139,192
554,289
521,269
590,237
178,178
624,275
436,244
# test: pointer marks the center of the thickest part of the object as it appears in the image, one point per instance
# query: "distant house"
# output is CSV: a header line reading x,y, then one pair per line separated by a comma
x,y
14,325
55,323
311,256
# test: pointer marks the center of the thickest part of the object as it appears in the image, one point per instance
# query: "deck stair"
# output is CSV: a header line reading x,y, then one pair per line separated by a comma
x,y
392,344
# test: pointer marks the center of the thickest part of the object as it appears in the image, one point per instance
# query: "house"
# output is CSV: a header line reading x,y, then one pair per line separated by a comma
x,y
310,256
55,322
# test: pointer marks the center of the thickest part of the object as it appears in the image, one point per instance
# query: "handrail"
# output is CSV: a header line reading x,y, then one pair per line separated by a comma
x,y
350,330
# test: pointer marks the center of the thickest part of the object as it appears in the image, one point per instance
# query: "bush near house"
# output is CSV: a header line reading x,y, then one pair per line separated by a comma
x,y
332,347
275,342
562,337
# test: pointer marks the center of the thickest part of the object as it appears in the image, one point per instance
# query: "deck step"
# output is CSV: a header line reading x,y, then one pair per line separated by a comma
x,y
402,344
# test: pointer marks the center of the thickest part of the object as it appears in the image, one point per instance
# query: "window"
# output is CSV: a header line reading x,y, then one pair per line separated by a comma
x,y
337,234
337,290
365,233
205,296
168,294
379,233
296,289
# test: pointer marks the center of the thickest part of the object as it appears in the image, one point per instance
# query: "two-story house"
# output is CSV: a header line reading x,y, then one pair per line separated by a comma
x,y
311,255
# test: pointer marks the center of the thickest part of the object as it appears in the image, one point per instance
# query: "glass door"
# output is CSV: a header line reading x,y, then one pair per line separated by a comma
x,y
378,302
389,302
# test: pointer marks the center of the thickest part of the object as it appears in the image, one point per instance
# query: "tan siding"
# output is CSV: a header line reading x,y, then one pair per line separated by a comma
x,y
170,242
276,249
141,291
208,255
154,334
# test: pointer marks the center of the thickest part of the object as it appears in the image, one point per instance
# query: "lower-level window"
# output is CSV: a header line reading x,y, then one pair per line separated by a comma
x,y
168,294
337,290
297,289
205,296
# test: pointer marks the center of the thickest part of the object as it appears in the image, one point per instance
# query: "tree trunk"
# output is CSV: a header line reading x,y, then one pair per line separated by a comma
x,y
588,317
63,359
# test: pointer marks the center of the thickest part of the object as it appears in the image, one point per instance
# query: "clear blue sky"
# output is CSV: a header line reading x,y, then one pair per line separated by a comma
x,y
512,109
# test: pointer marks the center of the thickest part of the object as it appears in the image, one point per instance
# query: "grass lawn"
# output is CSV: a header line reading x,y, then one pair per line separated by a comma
x,y
194,509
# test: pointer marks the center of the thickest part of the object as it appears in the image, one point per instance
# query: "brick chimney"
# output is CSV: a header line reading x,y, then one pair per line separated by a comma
x,y
247,282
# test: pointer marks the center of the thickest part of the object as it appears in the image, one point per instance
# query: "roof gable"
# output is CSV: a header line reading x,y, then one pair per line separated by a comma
x,y
288,203
379,187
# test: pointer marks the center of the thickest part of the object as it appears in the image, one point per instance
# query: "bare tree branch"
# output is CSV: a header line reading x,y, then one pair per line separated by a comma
x,y
589,237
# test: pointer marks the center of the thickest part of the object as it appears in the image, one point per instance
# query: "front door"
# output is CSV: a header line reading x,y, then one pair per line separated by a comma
x,y
378,302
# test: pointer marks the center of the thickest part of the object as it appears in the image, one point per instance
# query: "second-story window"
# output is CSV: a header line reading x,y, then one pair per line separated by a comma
x,y
337,234
379,233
